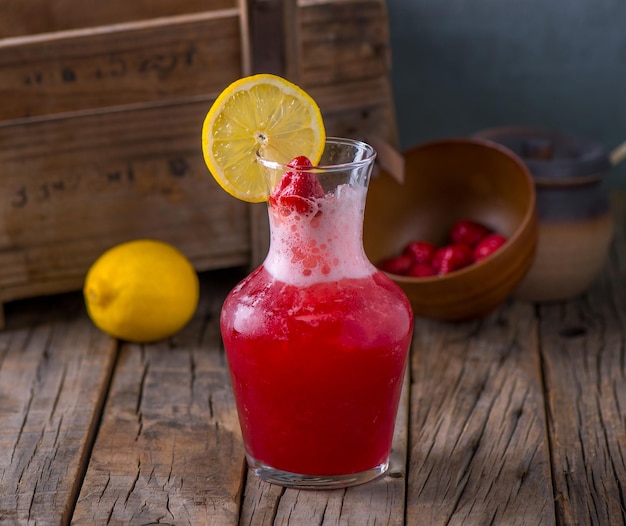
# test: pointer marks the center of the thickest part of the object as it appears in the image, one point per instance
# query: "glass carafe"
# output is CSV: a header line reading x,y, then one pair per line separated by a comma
x,y
317,338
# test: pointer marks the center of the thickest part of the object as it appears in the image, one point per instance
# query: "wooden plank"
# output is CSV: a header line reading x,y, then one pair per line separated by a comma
x,y
343,41
167,59
362,124
267,38
380,502
479,450
344,62
110,177
169,449
55,368
358,109
43,16
584,352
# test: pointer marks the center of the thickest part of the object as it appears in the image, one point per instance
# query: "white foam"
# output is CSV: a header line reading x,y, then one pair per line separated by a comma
x,y
323,245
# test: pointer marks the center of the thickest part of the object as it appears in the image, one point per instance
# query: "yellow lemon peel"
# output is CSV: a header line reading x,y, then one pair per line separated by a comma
x,y
141,291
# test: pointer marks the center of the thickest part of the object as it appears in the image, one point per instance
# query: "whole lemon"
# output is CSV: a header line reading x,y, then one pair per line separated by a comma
x,y
141,291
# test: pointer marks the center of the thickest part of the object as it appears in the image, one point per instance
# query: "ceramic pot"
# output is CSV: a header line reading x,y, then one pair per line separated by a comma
x,y
575,221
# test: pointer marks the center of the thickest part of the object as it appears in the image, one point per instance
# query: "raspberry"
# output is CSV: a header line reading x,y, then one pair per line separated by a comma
x,y
451,258
397,265
301,162
421,270
420,251
295,190
488,246
468,232
436,261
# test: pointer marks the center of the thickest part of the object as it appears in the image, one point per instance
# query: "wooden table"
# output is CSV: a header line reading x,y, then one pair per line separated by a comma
x,y
519,418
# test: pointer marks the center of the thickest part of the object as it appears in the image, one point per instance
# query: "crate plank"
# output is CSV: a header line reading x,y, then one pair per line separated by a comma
x,y
161,60
479,439
343,60
343,41
358,110
171,415
110,177
21,18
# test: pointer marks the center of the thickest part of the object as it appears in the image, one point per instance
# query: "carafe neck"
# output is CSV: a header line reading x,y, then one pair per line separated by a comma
x,y
324,244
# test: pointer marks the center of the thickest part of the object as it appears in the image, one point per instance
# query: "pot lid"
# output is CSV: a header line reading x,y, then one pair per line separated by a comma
x,y
551,154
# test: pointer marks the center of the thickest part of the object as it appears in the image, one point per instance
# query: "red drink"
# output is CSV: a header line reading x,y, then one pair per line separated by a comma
x,y
317,383
317,342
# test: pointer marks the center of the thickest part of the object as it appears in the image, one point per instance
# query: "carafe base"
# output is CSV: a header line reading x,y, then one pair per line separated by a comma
x,y
301,481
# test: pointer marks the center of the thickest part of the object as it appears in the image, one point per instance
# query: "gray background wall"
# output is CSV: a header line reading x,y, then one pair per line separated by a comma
x,y
461,65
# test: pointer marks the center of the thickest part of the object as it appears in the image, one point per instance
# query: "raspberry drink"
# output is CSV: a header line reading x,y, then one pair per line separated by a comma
x,y
317,338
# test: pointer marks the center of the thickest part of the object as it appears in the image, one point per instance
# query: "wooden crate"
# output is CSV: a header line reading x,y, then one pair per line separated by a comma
x,y
103,107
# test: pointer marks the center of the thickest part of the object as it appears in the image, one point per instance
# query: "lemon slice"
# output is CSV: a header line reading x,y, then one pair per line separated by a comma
x,y
263,113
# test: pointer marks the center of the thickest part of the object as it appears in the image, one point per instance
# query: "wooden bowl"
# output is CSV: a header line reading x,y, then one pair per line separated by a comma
x,y
445,181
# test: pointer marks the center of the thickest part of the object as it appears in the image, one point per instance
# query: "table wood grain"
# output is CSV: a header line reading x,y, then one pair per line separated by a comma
x,y
515,419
